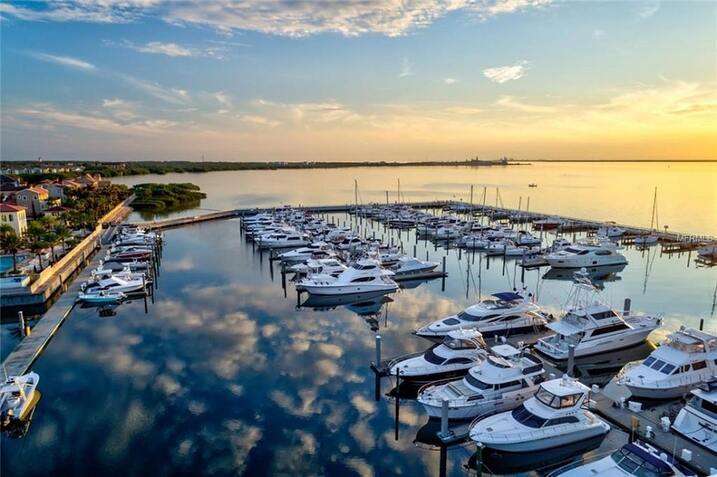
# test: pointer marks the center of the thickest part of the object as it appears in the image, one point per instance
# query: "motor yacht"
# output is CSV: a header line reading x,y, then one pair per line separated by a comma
x,y
115,284
502,381
473,241
634,459
645,240
547,224
685,360
592,327
697,421
326,266
408,267
350,244
523,237
586,255
140,255
610,231
303,254
16,395
459,351
556,415
502,313
362,277
283,240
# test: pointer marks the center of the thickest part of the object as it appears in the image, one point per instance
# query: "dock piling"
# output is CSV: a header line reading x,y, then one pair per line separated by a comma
x,y
21,324
398,400
378,350
626,307
571,359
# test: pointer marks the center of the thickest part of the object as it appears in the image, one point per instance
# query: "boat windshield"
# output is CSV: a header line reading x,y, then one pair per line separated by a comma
x,y
457,344
432,357
705,406
634,464
554,401
477,383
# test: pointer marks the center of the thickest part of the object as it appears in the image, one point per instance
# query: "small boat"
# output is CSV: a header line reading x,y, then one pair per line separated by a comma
x,y
305,253
364,276
697,421
586,255
325,266
649,239
593,327
128,256
652,238
101,297
685,360
610,231
459,351
708,251
16,396
506,312
532,185
634,459
556,415
115,284
407,267
283,240
500,382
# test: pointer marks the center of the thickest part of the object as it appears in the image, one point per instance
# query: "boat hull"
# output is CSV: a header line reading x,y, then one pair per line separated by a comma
x,y
347,289
547,443
606,346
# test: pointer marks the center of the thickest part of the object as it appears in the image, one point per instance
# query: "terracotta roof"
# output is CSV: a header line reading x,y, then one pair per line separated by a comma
x,y
57,208
37,190
10,208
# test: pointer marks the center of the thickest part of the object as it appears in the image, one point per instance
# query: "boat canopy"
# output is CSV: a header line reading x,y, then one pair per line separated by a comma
x,y
507,296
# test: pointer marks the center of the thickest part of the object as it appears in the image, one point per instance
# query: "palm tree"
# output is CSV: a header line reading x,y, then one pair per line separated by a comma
x,y
37,247
63,233
10,243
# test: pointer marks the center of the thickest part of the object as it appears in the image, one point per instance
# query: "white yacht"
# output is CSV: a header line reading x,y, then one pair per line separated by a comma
x,y
283,240
645,240
697,421
16,395
593,327
557,415
407,267
500,382
634,459
473,241
610,231
459,351
523,237
502,313
708,251
685,360
586,255
326,266
101,297
350,244
365,276
302,254
115,284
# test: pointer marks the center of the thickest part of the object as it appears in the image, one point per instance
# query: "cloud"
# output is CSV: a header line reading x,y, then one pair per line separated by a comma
x,y
449,80
406,68
648,9
509,102
64,61
223,99
293,19
170,49
260,120
503,74
170,95
598,33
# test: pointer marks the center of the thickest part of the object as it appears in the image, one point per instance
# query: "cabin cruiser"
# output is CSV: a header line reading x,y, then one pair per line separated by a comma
x,y
523,237
502,381
506,312
129,256
304,253
407,267
115,284
16,395
610,231
697,421
685,360
473,241
634,459
283,240
365,276
586,255
101,297
459,351
649,239
593,327
350,244
326,266
708,251
556,415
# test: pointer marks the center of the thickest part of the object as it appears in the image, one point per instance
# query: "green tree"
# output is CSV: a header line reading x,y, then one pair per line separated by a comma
x,y
63,233
37,247
10,243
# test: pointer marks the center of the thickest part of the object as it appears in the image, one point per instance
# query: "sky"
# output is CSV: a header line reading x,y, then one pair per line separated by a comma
x,y
393,80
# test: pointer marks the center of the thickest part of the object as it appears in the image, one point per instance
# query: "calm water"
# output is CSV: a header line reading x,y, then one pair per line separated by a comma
x,y
225,376
623,192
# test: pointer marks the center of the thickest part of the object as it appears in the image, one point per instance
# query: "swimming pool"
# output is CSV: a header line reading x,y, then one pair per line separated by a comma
x,y
6,262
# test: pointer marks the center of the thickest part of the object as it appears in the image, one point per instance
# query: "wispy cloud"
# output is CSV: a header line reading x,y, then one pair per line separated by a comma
x,y
503,74
648,9
64,61
406,68
170,95
293,19
449,80
170,49
598,33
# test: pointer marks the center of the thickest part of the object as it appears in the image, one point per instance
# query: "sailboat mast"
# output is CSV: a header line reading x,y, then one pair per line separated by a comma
x,y
356,193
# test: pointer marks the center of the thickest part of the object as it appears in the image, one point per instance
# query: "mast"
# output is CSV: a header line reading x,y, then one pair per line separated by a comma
x,y
356,193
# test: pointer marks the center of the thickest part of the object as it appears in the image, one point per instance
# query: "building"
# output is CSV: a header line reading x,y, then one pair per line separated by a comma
x,y
33,199
56,211
14,216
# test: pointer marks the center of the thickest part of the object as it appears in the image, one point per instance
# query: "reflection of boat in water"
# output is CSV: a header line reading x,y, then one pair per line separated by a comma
x,y
414,283
606,273
18,428
600,369
360,303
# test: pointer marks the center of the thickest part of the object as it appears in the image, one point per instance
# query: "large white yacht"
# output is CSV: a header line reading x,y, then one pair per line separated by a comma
x,y
593,327
586,254
557,415
685,360
312,250
115,284
502,313
326,266
283,240
634,459
365,276
459,351
697,421
502,381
